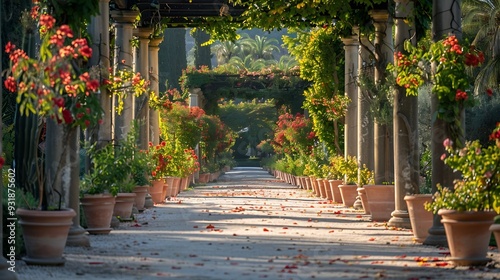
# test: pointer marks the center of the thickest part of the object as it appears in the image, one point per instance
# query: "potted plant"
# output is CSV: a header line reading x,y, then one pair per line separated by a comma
x,y
348,189
335,176
62,95
96,199
468,209
141,166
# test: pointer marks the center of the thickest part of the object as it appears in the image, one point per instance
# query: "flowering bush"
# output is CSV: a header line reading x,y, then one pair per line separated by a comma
x,y
216,137
54,85
181,123
294,135
479,186
170,159
451,83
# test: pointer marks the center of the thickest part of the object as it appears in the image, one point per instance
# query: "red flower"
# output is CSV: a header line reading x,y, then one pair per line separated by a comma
x,y
10,84
67,116
47,21
9,47
461,95
2,162
489,92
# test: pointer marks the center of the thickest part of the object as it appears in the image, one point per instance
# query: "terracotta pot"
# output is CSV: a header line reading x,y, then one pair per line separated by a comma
x,y
349,194
334,187
315,187
420,219
140,198
184,183
321,188
98,211
124,203
364,200
307,183
381,200
156,191
45,234
328,190
203,178
176,185
468,235
169,188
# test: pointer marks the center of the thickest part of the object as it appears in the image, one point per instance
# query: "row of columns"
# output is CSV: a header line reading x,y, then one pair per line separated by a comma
x,y
375,144
115,127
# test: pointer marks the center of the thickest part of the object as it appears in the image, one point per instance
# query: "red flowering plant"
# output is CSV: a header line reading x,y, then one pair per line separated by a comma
x,y
478,187
54,84
294,135
450,81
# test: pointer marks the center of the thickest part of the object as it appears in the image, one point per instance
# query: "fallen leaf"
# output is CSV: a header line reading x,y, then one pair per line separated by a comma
x,y
371,239
210,226
265,229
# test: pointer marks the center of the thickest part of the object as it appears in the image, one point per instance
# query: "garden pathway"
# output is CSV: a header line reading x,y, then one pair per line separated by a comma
x,y
251,226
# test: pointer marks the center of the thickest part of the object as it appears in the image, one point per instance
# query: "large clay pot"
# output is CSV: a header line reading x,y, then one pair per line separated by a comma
x,y
156,191
140,198
45,234
307,183
349,194
420,219
468,235
315,187
176,185
98,211
124,203
203,178
364,200
328,190
334,187
184,184
169,188
381,200
321,188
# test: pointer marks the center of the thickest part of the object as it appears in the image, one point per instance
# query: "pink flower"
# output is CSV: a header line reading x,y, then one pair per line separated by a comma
x,y
447,143
443,156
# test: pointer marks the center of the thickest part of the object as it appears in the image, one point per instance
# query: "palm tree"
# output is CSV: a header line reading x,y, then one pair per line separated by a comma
x,y
286,63
224,51
260,47
482,17
248,63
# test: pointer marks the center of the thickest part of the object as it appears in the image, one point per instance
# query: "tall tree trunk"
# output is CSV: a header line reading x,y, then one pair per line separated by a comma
x,y
172,58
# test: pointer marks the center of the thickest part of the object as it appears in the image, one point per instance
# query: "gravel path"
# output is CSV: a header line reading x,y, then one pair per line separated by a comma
x,y
251,226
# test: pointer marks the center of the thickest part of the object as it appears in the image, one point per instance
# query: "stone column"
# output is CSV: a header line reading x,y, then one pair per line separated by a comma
x,y
123,59
154,118
351,46
77,236
405,117
142,102
446,19
193,102
99,30
383,146
365,118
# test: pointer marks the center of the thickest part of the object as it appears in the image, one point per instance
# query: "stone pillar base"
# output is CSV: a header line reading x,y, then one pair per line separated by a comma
x,y
437,237
400,219
77,237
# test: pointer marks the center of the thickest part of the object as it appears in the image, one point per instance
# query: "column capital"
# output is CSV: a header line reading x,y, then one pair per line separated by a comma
x,y
143,32
124,16
155,42
379,16
350,41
